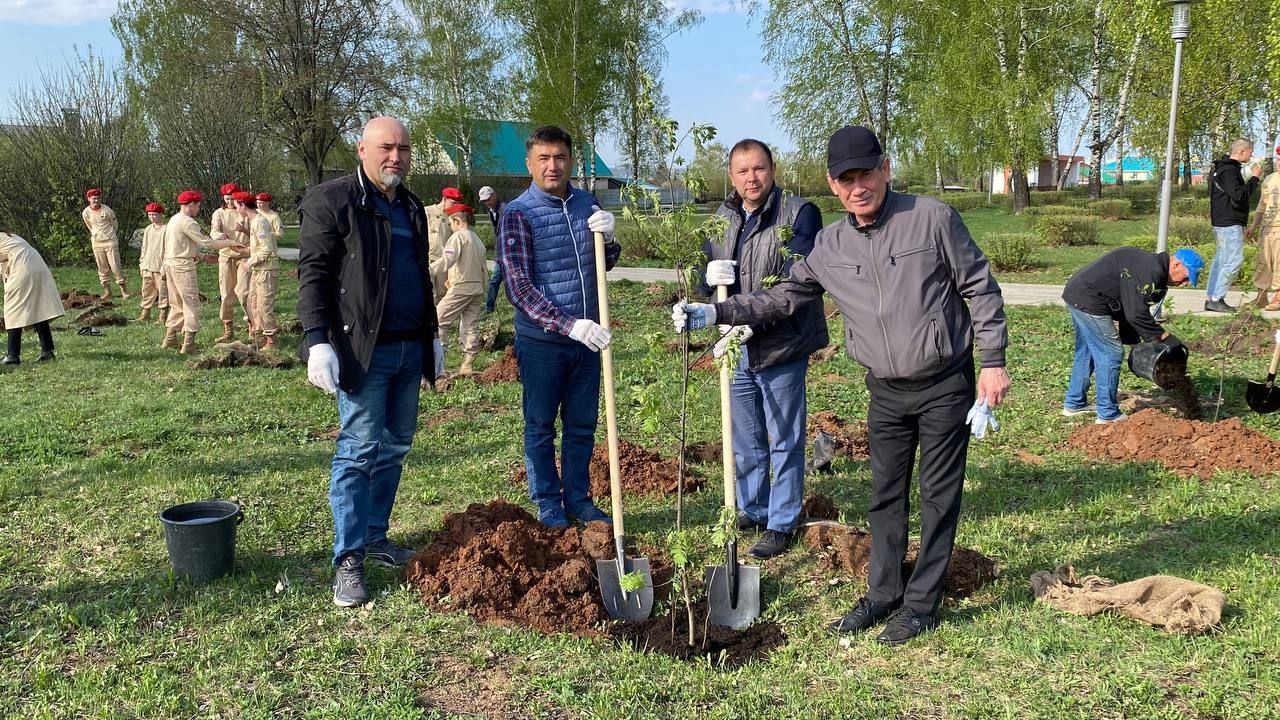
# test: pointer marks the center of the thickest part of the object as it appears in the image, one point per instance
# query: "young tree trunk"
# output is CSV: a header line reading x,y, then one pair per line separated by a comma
x,y
1186,166
1120,159
1021,188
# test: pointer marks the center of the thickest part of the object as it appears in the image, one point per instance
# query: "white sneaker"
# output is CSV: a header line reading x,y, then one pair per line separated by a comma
x,y
1068,412
1100,421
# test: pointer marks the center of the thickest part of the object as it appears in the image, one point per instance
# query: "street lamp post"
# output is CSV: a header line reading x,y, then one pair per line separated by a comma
x,y
1180,29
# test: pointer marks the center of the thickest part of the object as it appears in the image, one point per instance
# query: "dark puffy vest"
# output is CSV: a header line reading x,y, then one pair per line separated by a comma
x,y
564,258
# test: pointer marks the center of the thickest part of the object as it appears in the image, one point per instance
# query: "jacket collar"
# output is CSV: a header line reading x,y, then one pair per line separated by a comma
x,y
546,198
368,191
887,209
734,202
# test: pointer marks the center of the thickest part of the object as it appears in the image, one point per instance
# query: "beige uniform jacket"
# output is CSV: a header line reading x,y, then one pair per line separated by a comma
x,y
30,294
183,243
262,244
152,258
276,227
1266,227
438,232
224,222
101,224
463,259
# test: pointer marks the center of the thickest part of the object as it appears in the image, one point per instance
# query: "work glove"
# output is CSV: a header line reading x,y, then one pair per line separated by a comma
x,y
979,418
592,334
721,272
438,352
692,316
322,367
742,332
601,221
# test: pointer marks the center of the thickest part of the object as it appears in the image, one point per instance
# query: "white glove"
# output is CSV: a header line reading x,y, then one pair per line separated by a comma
x,y
979,418
601,221
322,367
721,272
591,334
742,332
439,356
692,316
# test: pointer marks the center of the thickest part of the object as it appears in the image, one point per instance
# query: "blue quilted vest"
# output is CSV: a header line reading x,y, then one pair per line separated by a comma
x,y
564,258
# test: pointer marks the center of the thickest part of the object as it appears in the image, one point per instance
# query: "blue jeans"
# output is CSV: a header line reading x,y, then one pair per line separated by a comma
x,y
769,420
495,282
1098,352
1227,259
376,427
558,379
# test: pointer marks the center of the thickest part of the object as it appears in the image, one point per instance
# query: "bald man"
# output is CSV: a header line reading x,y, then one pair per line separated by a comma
x,y
365,303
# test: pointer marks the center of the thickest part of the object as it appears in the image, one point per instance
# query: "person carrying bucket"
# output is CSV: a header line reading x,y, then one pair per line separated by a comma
x,y
1110,302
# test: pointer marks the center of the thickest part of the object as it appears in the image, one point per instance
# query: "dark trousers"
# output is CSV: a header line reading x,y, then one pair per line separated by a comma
x,y
495,282
901,416
42,332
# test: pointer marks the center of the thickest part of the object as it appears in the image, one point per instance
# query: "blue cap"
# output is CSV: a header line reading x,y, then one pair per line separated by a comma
x,y
1192,261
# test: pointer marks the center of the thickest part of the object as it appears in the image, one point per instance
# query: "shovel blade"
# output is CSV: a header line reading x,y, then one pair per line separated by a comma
x,y
727,610
629,606
1262,397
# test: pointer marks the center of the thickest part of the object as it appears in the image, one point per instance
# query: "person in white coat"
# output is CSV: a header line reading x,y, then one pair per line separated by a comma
x,y
31,297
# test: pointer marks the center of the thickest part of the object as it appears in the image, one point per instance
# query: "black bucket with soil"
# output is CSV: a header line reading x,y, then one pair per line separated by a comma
x,y
1167,367
201,538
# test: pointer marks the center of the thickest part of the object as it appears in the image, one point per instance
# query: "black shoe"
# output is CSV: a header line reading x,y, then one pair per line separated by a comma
x,y
771,544
1218,306
745,523
863,616
904,625
10,360
348,582
388,554
44,356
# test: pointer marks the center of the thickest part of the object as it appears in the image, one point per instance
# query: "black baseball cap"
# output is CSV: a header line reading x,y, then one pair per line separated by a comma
x,y
853,147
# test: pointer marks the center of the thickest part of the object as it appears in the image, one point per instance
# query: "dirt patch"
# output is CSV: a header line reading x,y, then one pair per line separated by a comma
x,y
75,299
850,437
722,646
849,550
101,316
819,507
1187,447
450,414
291,274
330,434
234,359
497,563
504,369
704,452
705,362
824,354
1172,376
677,345
1247,333
659,296
643,472
496,338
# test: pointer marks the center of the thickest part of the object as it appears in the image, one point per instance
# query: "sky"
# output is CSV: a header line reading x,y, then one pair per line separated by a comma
x,y
714,73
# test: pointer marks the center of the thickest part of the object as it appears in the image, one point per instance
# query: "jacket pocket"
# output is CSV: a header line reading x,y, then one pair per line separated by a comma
x,y
896,257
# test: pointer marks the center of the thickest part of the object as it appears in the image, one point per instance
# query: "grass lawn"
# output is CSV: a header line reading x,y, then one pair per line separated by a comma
x,y
95,444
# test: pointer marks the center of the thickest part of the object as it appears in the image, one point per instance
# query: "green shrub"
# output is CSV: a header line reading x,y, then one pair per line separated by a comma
x,y
965,201
1010,252
1040,210
1146,242
1057,197
828,203
1055,230
1190,231
1196,207
1113,209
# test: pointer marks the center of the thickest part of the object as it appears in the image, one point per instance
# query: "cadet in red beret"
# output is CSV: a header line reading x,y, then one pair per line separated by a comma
x,y
462,263
100,220
438,231
151,265
184,242
264,209
263,267
233,274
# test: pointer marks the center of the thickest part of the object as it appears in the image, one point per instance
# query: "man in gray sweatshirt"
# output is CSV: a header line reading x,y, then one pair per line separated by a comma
x,y
916,295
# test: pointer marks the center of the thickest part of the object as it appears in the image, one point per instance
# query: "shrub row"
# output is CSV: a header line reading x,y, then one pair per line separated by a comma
x,y
1057,230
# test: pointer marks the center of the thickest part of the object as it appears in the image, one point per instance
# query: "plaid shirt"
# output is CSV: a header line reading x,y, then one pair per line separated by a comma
x,y
516,258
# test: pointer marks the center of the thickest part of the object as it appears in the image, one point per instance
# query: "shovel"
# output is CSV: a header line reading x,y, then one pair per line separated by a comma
x,y
1261,397
733,590
620,603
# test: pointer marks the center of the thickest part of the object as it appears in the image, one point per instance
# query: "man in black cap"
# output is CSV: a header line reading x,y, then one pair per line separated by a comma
x,y
916,295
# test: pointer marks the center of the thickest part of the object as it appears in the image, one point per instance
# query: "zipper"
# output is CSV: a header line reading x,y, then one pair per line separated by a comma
x,y
893,259
582,281
875,272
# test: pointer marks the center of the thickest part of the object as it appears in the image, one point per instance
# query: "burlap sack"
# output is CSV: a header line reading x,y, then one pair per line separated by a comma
x,y
1162,601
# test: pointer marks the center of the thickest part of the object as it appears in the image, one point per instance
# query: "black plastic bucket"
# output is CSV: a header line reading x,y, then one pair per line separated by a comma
x,y
1145,357
201,537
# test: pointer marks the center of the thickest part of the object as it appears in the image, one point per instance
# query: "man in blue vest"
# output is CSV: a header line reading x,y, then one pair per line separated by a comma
x,y
769,403
547,252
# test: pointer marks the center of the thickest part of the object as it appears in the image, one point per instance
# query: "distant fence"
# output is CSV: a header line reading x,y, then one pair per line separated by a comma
x,y
667,196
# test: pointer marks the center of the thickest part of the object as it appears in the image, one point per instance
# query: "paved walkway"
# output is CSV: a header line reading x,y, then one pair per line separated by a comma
x,y
1184,301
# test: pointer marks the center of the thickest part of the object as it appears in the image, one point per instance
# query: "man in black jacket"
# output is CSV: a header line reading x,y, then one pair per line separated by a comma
x,y
364,300
1229,197
1110,303
769,403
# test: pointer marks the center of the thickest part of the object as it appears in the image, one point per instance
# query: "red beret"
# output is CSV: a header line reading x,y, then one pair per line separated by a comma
x,y
451,193
264,197
1278,149
189,196
243,197
92,192
230,189
155,208
460,208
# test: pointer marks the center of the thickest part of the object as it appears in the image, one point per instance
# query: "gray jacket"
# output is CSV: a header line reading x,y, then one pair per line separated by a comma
x,y
789,338
901,284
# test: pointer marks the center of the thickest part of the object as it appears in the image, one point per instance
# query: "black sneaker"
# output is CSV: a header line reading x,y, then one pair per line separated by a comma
x,y
904,625
45,356
10,360
388,554
348,582
863,616
771,544
745,523
1218,306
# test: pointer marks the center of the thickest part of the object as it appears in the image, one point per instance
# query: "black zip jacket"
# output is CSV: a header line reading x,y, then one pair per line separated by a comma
x,y
343,249
1123,285
1229,193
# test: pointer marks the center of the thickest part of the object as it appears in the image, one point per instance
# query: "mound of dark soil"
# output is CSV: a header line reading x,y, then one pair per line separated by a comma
x,y
677,345
851,437
819,507
1188,447
75,299
849,550
502,370
497,338
101,316
723,647
233,359
704,452
1174,378
643,472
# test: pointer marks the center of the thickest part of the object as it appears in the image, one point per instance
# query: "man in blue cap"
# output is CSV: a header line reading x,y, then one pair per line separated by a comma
x,y
1110,303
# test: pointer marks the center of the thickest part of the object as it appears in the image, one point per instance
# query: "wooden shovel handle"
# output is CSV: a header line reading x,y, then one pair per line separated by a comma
x,y
610,404
1275,362
726,422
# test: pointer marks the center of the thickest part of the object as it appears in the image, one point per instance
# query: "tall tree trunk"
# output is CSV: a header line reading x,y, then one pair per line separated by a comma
x,y
1186,166
1021,188
1120,159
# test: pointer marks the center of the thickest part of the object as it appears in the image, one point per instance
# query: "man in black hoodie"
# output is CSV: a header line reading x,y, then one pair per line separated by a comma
x,y
1229,211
